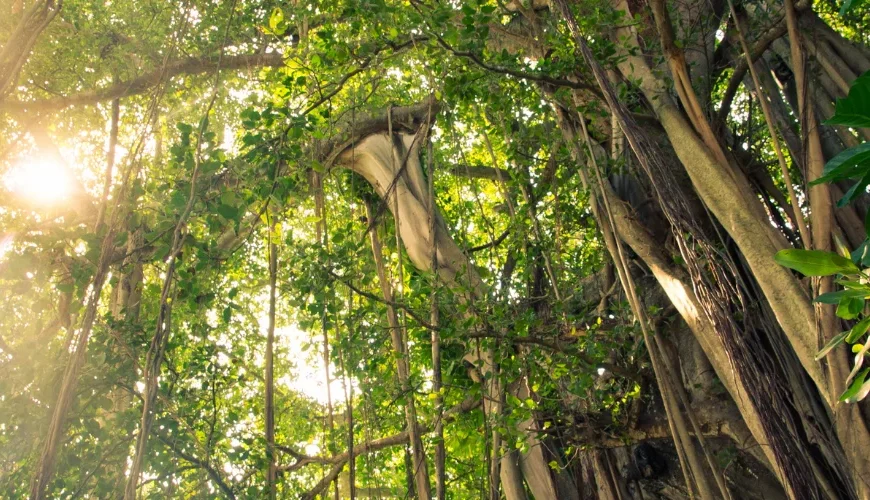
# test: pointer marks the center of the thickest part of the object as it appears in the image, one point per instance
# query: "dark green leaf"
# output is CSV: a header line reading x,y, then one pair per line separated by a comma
x,y
227,211
854,109
849,164
849,5
856,190
839,295
861,255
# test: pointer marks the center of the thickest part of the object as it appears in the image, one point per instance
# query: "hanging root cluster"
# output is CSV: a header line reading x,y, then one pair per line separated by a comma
x,y
715,279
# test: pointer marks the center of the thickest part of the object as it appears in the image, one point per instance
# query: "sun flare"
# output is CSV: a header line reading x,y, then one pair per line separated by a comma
x,y
40,179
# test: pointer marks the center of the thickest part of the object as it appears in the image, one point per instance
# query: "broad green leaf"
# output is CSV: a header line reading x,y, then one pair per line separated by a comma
x,y
815,262
228,212
850,307
854,109
849,164
852,284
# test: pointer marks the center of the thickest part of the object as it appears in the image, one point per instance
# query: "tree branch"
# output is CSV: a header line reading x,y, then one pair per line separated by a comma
x,y
404,119
212,472
16,49
189,66
557,346
378,444
392,303
774,33
494,243
558,82
480,172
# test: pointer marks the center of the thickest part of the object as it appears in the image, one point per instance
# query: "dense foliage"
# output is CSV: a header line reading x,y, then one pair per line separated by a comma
x,y
205,292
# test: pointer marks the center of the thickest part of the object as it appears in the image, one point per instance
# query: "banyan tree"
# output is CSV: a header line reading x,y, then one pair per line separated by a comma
x,y
538,250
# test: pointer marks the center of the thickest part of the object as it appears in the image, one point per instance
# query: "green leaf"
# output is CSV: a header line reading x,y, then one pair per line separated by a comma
x,y
834,342
861,255
849,164
858,330
855,191
162,252
121,238
184,128
850,307
228,212
854,109
815,262
275,19
859,388
840,295
849,5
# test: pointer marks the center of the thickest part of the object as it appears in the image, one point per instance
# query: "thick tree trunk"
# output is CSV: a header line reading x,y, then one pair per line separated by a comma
x,y
677,286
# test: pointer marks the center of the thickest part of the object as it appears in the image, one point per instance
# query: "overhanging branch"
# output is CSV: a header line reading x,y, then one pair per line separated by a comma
x,y
189,66
341,459
404,119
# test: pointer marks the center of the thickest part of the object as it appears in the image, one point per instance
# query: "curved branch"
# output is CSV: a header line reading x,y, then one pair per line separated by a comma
x,y
189,66
404,119
558,82
774,33
17,48
410,312
375,445
494,243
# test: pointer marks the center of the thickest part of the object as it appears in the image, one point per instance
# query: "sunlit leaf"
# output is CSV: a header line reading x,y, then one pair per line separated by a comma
x,y
815,262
